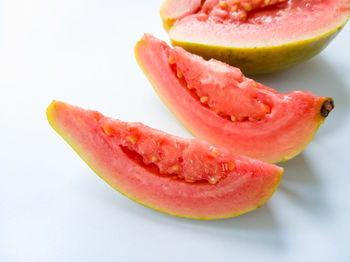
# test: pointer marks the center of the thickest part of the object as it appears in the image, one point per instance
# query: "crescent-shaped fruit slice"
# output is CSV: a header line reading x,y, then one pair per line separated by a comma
x,y
181,177
257,36
215,102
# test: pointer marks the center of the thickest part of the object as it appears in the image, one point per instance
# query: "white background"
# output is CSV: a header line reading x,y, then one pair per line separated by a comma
x,y
54,208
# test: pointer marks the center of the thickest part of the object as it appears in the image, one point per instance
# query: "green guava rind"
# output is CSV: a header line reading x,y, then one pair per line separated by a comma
x,y
81,129
263,60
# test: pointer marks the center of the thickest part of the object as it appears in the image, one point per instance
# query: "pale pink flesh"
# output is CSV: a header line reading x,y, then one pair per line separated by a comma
x,y
249,185
180,8
283,132
286,22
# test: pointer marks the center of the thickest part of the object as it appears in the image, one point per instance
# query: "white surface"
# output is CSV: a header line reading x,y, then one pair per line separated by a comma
x,y
54,208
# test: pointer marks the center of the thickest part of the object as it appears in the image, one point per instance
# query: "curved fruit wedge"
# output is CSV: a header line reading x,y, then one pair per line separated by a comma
x,y
218,104
181,177
255,35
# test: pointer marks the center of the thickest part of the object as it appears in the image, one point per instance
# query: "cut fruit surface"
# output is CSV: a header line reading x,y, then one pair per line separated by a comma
x,y
217,103
256,36
181,177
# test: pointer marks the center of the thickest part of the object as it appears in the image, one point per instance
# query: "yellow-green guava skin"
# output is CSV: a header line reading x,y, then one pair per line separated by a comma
x,y
263,60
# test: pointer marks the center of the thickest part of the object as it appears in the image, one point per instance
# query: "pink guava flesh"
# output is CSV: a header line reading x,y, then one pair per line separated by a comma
x,y
219,104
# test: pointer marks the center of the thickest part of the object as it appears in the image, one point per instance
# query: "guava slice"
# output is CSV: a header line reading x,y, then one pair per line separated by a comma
x,y
257,36
182,177
217,103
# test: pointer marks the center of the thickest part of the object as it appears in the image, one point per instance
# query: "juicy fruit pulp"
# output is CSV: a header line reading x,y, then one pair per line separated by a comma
x,y
181,177
256,36
217,103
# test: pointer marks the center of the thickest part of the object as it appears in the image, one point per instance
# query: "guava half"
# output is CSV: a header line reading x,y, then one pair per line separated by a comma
x,y
257,36
182,177
217,103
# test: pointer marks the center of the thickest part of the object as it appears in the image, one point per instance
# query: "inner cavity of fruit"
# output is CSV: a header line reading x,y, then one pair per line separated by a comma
x,y
251,11
232,10
176,159
221,88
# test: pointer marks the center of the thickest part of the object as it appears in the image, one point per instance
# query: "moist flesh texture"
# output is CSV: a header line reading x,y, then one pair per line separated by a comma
x,y
218,103
182,177
256,24
188,160
221,88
